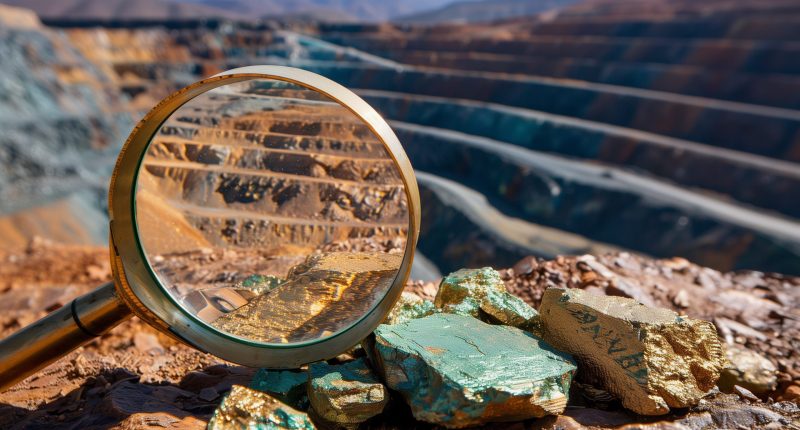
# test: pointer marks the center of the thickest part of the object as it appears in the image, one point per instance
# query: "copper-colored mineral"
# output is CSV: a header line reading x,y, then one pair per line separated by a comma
x,y
651,358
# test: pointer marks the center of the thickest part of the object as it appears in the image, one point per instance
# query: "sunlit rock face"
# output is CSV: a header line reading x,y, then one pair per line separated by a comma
x,y
457,371
650,358
62,121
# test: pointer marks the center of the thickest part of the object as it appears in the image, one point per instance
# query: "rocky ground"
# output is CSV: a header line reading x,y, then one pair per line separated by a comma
x,y
134,377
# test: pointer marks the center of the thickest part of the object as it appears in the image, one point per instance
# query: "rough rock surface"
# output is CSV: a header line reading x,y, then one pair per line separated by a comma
x,y
457,371
480,293
409,306
346,394
651,358
244,408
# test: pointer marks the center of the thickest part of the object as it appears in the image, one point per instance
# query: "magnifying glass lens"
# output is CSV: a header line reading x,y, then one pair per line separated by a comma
x,y
271,212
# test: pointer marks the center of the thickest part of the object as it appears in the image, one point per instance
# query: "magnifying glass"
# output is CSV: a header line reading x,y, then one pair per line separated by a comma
x,y
266,215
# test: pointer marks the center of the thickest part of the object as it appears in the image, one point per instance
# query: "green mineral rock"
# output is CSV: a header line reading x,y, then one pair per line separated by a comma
x,y
346,394
480,293
287,385
409,306
261,284
458,371
247,409
652,359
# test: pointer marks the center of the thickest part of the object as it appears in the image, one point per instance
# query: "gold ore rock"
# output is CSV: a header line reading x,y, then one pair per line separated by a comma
x,y
247,409
319,297
457,371
652,359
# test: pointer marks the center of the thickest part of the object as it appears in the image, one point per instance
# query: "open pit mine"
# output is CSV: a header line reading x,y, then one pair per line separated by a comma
x,y
610,232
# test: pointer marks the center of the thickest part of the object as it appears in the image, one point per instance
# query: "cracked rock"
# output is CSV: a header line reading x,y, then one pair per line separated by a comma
x,y
346,394
458,371
652,359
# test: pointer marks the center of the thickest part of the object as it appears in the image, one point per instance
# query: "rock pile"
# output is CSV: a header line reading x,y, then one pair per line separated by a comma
x,y
479,354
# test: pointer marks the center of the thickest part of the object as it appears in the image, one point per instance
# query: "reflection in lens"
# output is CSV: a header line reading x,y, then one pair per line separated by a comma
x,y
271,212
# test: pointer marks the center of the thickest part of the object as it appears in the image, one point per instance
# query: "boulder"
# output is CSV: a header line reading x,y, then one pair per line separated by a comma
x,y
409,306
458,371
346,394
245,408
288,386
481,293
748,369
652,359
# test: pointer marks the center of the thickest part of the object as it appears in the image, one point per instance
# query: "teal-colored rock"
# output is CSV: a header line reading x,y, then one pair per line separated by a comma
x,y
409,306
458,371
289,386
261,284
247,409
346,394
480,293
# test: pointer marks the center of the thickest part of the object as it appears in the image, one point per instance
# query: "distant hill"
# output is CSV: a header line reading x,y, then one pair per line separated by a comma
x,y
120,9
365,10
324,10
483,11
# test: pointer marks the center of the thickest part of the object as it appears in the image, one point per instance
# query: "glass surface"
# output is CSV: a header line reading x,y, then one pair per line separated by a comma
x,y
271,212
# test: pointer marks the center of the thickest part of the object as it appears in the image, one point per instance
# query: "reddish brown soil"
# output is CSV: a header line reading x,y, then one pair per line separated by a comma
x,y
132,377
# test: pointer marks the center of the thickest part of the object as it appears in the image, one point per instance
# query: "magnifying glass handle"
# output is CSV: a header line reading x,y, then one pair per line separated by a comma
x,y
39,344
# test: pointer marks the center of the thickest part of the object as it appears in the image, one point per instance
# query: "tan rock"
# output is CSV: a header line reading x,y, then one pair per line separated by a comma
x,y
651,358
748,369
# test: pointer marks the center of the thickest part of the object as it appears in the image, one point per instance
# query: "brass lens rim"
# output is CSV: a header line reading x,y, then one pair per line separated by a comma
x,y
140,287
